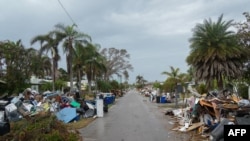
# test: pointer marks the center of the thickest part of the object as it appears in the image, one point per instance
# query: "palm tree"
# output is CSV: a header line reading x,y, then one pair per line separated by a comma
x,y
126,77
70,38
45,65
94,63
215,53
140,81
49,42
173,75
78,63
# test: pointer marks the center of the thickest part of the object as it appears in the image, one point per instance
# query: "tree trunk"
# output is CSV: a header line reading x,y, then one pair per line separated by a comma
x,y
89,88
71,70
220,83
79,83
53,75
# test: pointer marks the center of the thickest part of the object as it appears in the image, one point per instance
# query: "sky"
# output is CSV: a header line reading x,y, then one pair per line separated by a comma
x,y
155,33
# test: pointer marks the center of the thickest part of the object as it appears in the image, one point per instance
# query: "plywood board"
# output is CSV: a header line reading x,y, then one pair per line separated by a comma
x,y
176,128
194,126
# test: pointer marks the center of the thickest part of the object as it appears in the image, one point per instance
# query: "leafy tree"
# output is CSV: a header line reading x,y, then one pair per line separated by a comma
x,y
104,86
126,76
243,35
243,91
59,85
116,61
158,85
243,32
114,84
140,81
2,58
201,88
63,75
215,53
169,85
21,64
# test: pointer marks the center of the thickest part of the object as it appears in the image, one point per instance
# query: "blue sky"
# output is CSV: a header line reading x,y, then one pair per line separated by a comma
x,y
154,32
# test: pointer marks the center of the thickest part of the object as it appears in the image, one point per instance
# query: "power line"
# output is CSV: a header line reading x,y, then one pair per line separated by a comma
x,y
67,12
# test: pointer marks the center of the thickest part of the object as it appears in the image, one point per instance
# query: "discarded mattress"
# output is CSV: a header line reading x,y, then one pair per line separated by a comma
x,y
66,114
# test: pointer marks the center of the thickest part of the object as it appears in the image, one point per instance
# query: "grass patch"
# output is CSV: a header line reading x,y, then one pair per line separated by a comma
x,y
80,123
44,127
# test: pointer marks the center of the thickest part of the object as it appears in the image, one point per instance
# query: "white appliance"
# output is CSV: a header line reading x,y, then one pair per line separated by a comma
x,y
99,107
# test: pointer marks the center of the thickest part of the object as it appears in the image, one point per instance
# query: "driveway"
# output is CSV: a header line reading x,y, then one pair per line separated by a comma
x,y
132,118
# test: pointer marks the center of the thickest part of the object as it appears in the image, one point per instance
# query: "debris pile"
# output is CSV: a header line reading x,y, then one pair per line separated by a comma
x,y
208,113
31,105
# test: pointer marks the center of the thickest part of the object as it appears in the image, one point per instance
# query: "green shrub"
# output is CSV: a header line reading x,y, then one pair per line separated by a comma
x,y
243,91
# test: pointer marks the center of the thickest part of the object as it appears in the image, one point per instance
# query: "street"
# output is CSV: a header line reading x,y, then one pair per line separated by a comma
x,y
132,118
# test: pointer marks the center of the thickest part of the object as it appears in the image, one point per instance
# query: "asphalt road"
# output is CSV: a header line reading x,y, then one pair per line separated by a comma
x,y
132,118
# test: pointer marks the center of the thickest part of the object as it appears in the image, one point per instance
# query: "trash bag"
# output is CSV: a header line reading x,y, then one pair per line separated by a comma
x,y
245,120
80,111
4,128
105,108
89,113
244,103
84,106
218,133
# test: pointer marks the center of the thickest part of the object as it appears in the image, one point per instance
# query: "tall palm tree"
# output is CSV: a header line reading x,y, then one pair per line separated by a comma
x,y
49,42
46,65
215,53
70,38
78,63
94,63
33,60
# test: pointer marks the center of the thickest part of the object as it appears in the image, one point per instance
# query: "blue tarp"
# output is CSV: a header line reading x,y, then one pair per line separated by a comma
x,y
66,114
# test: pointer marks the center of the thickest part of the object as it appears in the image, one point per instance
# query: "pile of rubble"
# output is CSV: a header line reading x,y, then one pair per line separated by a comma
x,y
29,104
208,113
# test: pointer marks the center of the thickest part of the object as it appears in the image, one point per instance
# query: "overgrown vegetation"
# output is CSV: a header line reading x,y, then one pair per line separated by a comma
x,y
42,127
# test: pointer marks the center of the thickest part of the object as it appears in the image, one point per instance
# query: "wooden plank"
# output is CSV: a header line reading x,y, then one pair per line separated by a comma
x,y
176,128
194,126
205,103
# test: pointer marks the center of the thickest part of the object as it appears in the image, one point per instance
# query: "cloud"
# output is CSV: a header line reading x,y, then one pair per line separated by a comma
x,y
154,32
